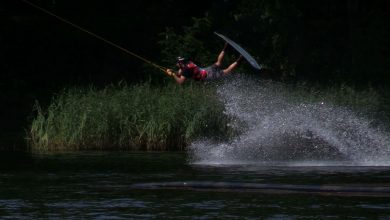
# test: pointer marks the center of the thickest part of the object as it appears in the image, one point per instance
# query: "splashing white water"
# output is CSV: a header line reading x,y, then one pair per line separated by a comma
x,y
280,127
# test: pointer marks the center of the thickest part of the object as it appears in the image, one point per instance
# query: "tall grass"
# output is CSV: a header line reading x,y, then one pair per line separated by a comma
x,y
121,117
366,100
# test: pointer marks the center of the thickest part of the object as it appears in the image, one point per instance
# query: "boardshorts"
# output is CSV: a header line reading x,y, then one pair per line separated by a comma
x,y
213,72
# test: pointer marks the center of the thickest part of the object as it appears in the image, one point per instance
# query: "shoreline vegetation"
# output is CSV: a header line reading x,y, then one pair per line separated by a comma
x,y
146,117
122,117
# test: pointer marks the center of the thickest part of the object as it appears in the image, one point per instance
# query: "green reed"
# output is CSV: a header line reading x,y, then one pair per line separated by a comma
x,y
122,117
363,100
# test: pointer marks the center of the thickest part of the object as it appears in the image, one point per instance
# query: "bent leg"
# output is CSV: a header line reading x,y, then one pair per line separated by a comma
x,y
221,55
232,66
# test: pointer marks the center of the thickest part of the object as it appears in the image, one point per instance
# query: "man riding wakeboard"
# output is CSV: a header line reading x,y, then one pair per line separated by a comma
x,y
188,69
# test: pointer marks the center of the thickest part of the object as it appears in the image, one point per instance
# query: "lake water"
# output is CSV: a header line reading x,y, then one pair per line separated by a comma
x,y
115,186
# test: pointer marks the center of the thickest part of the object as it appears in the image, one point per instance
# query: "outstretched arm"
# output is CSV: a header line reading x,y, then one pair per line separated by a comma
x,y
179,78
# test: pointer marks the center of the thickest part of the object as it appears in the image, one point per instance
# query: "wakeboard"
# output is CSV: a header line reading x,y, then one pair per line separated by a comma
x,y
241,51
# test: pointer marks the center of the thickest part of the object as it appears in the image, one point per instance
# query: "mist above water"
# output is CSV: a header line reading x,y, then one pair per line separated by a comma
x,y
278,124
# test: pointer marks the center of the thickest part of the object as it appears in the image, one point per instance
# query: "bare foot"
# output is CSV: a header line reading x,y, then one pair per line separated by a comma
x,y
239,60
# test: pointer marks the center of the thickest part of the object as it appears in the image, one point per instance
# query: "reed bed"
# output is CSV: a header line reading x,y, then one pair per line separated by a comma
x,y
122,117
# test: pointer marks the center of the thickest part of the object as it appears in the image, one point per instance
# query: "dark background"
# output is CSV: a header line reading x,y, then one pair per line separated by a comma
x,y
326,42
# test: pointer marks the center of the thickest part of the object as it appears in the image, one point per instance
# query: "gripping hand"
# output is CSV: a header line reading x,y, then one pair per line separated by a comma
x,y
170,72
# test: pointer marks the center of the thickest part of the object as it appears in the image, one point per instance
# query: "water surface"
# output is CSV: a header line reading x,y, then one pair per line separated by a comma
x,y
101,185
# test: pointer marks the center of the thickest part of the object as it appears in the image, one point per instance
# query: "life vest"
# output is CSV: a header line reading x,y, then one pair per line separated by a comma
x,y
191,70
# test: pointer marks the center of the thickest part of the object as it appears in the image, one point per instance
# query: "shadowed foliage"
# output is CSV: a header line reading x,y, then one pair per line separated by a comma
x,y
138,117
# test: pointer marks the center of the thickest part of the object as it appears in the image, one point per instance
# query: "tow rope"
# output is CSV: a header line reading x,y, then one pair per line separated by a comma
x,y
96,36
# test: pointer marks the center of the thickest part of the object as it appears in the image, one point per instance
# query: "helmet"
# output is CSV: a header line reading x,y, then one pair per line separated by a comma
x,y
180,59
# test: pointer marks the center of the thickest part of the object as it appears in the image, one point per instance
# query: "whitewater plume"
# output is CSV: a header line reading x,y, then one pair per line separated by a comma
x,y
278,125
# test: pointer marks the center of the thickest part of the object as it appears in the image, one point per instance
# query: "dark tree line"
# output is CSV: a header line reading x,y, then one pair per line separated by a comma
x,y
345,41
322,41
311,40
